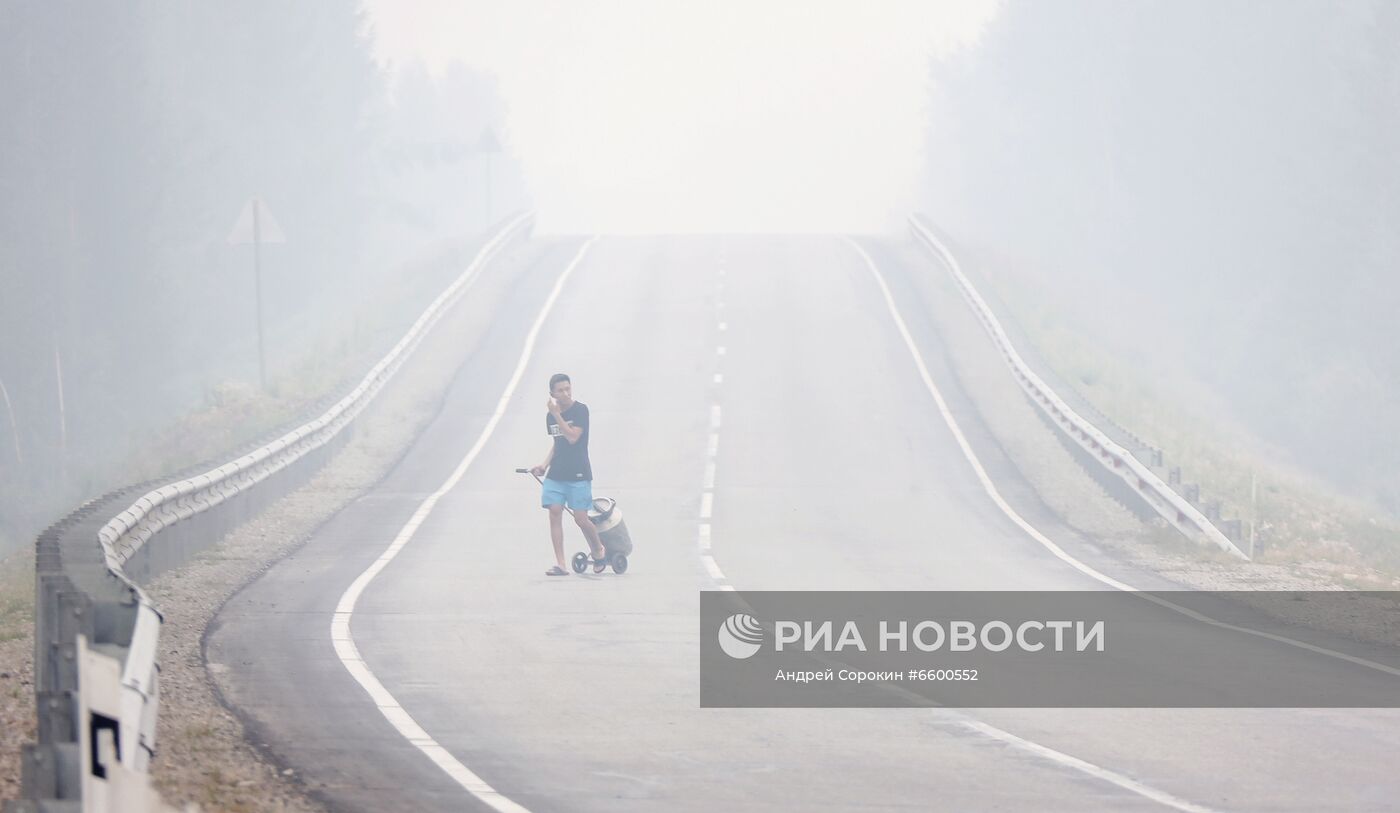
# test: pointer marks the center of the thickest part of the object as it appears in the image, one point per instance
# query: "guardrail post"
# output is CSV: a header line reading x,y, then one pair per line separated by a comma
x,y
51,772
1108,447
1192,493
56,722
39,771
46,590
1174,476
83,587
71,615
74,619
68,765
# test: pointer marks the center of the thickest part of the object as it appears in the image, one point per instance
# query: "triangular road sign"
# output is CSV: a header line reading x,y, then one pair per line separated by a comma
x,y
267,229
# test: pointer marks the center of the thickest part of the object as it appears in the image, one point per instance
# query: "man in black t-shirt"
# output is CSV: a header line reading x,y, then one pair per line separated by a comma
x,y
567,472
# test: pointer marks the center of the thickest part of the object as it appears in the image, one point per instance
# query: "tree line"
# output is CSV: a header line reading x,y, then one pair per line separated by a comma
x,y
131,137
1210,188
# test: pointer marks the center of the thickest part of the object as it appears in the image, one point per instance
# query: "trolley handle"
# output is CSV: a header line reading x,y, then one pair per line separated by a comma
x,y
531,473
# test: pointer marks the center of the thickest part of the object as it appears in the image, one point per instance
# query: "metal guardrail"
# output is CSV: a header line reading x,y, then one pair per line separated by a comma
x,y
96,632
1158,495
1140,447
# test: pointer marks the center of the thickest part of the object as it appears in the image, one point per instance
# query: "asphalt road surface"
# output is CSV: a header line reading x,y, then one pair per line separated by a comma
x,y
761,421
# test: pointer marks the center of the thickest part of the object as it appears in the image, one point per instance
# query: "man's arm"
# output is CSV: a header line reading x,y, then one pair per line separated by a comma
x,y
570,432
544,467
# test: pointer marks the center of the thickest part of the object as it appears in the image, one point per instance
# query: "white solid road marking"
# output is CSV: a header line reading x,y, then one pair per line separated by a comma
x,y
1112,777
719,378
1104,774
345,647
1004,736
709,475
966,448
704,537
707,504
712,445
1035,534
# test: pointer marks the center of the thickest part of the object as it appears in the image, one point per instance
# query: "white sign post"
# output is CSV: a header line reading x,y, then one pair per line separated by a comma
x,y
256,225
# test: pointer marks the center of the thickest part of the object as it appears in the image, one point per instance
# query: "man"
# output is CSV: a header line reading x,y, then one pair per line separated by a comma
x,y
568,476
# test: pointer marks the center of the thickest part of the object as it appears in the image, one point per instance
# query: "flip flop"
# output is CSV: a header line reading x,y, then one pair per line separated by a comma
x,y
556,571
599,565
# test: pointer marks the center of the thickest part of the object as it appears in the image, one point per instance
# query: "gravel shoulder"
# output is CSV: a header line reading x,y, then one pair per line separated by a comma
x,y
17,723
205,756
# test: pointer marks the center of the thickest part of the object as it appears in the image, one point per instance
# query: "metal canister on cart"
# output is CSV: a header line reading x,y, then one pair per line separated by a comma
x,y
607,517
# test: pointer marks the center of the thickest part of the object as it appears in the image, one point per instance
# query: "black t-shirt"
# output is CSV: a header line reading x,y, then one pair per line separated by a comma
x,y
570,462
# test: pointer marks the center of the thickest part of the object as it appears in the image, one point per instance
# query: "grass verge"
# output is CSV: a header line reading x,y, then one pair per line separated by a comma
x,y
17,595
1297,518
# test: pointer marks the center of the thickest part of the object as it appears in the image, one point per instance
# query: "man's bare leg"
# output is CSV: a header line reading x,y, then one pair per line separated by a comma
x,y
556,533
590,532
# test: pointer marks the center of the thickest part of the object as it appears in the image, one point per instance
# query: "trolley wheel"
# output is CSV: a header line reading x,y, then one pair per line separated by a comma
x,y
580,562
619,563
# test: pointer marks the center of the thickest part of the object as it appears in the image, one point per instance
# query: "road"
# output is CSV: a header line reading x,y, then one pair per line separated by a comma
x,y
768,374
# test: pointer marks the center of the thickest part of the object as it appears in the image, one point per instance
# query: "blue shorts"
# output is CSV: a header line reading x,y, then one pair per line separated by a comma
x,y
576,496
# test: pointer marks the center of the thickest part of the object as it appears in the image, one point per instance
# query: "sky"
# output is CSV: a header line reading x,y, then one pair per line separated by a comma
x,y
717,117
